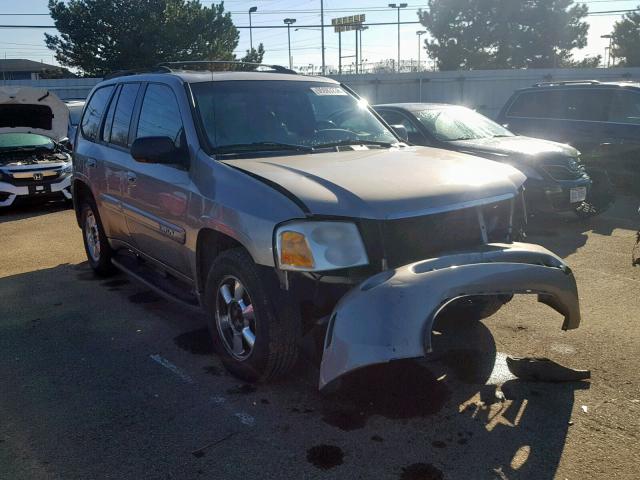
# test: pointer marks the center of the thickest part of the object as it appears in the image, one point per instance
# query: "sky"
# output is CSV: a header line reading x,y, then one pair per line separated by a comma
x,y
378,43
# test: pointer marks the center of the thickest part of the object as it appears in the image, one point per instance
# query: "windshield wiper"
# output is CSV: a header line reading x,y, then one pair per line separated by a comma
x,y
342,143
260,147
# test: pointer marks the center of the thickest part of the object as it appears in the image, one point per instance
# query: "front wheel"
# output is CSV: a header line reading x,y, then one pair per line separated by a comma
x,y
255,328
96,246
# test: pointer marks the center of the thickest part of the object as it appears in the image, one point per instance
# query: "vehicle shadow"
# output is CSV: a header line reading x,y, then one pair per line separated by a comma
x,y
474,418
564,233
32,209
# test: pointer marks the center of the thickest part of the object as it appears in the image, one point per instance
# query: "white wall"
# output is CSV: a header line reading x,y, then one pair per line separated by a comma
x,y
64,88
483,90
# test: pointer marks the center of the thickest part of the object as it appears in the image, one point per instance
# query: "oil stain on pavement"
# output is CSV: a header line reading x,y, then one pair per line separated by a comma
x,y
325,457
197,342
398,390
421,471
145,297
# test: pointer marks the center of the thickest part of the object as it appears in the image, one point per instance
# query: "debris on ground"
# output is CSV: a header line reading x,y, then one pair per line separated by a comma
x,y
635,255
585,409
544,370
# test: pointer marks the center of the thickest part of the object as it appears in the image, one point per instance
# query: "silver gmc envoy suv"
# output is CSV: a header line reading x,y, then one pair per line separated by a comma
x,y
283,205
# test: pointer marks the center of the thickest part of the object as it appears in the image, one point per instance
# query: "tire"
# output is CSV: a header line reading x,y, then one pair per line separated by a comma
x,y
96,245
262,307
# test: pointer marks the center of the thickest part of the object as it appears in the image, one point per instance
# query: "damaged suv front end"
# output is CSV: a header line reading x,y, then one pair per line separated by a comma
x,y
380,277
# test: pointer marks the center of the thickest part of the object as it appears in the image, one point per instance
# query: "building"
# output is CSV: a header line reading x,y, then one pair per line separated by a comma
x,y
22,69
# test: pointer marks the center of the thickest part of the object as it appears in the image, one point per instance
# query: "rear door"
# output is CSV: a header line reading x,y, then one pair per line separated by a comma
x,y
157,194
576,115
117,160
92,156
620,156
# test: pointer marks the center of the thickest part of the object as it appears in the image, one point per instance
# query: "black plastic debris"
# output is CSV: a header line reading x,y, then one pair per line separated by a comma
x,y
635,256
544,370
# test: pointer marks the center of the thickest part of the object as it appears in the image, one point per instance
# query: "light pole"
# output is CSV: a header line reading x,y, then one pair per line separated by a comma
x,y
289,22
419,33
610,37
322,32
251,10
361,29
398,7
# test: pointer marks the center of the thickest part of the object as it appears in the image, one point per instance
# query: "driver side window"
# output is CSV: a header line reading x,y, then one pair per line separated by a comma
x,y
160,115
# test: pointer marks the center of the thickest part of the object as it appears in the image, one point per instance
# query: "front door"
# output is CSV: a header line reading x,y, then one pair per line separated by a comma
x,y
157,194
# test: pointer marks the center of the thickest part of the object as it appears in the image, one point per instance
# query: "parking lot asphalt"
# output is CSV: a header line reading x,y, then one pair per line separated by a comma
x,y
104,379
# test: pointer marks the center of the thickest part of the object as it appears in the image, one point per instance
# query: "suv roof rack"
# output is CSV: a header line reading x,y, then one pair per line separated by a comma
x,y
275,68
567,82
125,73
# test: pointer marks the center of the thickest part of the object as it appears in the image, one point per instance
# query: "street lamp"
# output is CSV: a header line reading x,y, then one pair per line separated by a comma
x,y
251,10
398,7
289,22
419,33
610,37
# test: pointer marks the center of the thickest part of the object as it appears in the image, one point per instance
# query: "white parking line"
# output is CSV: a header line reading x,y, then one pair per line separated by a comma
x,y
167,364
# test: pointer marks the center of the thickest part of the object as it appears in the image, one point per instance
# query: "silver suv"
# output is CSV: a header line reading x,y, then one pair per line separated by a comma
x,y
283,205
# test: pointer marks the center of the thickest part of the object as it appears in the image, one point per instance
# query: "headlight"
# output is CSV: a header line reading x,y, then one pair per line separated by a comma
x,y
68,168
319,246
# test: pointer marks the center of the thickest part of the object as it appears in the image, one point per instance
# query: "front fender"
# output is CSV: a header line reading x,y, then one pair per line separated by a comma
x,y
390,316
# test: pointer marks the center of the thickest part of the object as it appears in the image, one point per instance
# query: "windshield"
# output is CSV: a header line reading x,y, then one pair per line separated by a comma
x,y
257,115
24,140
459,123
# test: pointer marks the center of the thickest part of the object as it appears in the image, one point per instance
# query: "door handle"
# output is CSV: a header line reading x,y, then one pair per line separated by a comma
x,y
91,162
131,178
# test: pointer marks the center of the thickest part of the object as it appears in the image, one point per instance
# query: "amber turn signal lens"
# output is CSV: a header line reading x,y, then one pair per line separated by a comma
x,y
295,251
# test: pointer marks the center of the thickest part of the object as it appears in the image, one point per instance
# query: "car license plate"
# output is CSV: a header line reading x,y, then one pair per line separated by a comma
x,y
578,194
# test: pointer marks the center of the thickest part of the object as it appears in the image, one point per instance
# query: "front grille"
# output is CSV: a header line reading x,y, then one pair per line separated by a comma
x,y
412,239
560,172
22,178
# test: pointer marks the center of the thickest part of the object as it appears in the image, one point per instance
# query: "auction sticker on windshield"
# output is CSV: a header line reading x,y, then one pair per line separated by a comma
x,y
328,91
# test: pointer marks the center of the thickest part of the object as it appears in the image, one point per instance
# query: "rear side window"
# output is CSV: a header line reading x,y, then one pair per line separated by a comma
x,y
395,118
564,104
123,114
160,115
90,126
625,107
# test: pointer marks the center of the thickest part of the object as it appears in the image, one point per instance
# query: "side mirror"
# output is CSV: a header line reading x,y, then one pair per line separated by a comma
x,y
401,131
155,150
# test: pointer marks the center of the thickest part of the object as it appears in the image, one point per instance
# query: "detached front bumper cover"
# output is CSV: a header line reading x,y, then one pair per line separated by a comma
x,y
390,315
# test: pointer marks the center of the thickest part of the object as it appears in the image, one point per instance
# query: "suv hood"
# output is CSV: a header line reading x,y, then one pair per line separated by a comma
x,y
33,110
386,183
514,148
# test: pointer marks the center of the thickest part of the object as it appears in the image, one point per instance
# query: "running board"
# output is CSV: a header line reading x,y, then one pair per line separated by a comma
x,y
166,287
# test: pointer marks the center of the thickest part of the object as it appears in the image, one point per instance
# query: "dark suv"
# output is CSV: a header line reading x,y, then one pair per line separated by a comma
x,y
602,120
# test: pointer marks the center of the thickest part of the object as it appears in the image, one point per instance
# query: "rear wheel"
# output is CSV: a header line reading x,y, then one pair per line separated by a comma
x,y
255,328
96,246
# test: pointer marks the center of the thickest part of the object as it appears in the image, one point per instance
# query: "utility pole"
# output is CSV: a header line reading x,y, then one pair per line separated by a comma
x,y
322,32
419,33
289,22
339,53
356,30
361,29
251,10
610,37
398,7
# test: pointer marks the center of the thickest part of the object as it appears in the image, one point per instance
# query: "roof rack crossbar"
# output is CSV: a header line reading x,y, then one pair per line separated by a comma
x,y
276,68
567,82
137,71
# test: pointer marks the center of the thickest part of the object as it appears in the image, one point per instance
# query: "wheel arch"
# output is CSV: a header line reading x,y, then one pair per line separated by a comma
x,y
81,191
209,245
